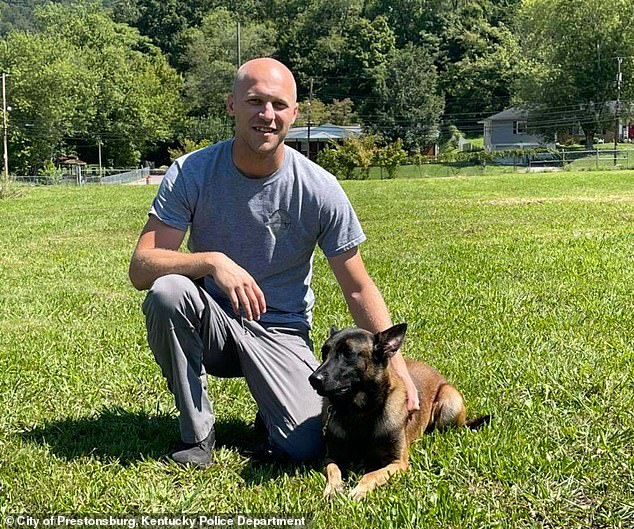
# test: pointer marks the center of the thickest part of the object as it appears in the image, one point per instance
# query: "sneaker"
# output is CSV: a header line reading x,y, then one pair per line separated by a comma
x,y
263,453
199,455
259,427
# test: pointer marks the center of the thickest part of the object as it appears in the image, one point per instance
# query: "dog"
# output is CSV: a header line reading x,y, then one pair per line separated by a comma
x,y
364,416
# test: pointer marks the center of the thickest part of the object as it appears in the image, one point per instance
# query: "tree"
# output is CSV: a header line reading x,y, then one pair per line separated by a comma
x,y
163,21
46,83
342,112
15,16
570,64
211,58
84,78
311,40
479,80
328,41
337,112
470,44
317,110
365,58
408,105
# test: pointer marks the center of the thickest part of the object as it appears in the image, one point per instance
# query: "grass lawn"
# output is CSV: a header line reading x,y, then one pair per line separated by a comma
x,y
519,288
605,161
438,170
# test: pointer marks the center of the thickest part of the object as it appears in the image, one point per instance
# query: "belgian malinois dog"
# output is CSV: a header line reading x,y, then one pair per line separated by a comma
x,y
364,416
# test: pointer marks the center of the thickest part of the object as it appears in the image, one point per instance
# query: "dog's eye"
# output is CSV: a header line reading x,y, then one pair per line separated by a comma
x,y
324,353
347,352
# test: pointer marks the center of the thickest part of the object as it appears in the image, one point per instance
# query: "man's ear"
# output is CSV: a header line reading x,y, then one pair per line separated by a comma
x,y
295,114
389,341
230,109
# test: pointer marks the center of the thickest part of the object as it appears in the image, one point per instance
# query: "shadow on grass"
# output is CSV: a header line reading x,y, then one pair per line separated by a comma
x,y
112,434
119,435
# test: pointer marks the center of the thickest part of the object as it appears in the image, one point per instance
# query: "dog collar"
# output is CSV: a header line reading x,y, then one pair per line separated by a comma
x,y
329,413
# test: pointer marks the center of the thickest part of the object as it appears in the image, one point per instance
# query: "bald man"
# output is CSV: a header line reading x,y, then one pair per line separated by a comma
x,y
239,304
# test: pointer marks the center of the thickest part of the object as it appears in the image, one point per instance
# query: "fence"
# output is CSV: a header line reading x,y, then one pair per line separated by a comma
x,y
132,175
127,177
586,159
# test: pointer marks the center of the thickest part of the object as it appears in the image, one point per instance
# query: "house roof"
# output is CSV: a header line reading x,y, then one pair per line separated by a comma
x,y
324,132
70,160
510,114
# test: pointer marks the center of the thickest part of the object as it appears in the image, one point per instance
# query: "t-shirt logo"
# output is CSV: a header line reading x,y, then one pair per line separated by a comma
x,y
279,223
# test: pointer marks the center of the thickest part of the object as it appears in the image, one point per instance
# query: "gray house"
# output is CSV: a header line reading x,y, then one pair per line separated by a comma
x,y
310,142
508,130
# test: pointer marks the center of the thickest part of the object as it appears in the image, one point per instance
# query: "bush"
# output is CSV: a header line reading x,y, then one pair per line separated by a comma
x,y
342,159
390,157
362,153
187,147
50,170
329,160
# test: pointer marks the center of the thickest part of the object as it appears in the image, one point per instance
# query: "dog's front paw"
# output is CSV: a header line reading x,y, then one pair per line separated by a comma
x,y
332,489
359,492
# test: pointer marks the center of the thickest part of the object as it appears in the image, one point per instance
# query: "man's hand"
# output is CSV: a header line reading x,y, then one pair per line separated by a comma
x,y
400,367
239,286
413,403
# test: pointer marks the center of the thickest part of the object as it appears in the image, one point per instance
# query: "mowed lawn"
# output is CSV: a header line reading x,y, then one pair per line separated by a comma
x,y
519,288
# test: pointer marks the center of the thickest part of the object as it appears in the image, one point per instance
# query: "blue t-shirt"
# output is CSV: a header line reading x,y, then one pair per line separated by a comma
x,y
269,226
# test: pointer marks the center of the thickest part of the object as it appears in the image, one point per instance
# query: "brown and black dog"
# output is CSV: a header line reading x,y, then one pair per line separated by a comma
x,y
365,418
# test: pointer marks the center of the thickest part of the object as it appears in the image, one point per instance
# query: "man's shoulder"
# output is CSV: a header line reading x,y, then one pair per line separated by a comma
x,y
204,156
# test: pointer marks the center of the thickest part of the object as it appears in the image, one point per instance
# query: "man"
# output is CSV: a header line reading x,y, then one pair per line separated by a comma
x,y
255,210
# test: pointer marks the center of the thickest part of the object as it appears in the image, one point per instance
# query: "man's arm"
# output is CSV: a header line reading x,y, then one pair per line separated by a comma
x,y
368,309
156,255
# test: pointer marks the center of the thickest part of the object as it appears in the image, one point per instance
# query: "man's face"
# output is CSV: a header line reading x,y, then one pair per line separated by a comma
x,y
264,106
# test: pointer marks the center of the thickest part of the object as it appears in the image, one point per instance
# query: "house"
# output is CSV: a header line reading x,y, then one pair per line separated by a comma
x,y
315,139
509,130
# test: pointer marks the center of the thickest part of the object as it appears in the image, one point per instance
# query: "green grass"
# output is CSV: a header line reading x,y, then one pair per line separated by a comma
x,y
517,287
605,161
440,170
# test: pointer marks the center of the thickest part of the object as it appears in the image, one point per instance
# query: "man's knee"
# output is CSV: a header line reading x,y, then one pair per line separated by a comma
x,y
304,443
168,294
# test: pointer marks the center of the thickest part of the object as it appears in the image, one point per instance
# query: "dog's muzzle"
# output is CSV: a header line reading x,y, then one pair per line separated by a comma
x,y
326,386
317,382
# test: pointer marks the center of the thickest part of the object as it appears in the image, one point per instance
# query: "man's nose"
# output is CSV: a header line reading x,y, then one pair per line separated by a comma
x,y
268,112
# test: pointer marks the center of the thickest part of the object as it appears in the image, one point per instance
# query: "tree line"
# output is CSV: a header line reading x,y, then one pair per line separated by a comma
x,y
138,77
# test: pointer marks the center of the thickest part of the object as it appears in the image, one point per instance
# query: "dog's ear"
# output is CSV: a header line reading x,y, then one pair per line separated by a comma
x,y
389,341
333,330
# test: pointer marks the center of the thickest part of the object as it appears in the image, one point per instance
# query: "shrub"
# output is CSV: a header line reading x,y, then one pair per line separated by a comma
x,y
187,147
390,157
343,159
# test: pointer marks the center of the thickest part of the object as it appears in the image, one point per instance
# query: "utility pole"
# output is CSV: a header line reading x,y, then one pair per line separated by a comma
x,y
239,51
5,182
99,146
310,113
617,108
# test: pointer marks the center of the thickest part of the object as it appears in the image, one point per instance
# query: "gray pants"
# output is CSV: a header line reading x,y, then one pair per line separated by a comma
x,y
190,336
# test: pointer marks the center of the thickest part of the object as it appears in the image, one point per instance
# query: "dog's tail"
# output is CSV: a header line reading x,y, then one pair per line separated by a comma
x,y
478,422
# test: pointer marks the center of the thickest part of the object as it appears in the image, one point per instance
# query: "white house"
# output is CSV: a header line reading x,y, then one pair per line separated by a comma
x,y
509,130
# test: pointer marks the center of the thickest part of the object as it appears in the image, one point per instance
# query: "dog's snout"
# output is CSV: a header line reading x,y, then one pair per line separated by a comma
x,y
317,380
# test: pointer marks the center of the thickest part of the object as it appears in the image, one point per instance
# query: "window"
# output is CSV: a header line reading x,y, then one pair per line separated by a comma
x,y
519,127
